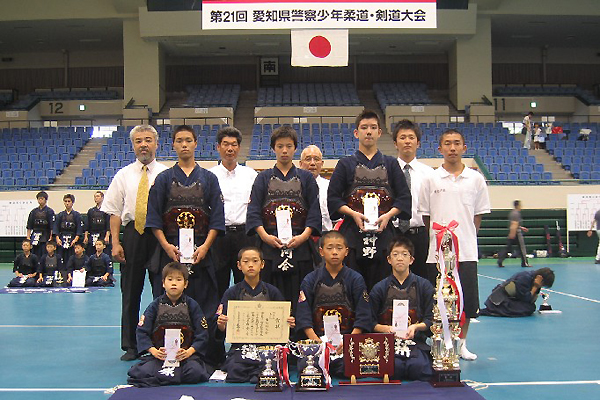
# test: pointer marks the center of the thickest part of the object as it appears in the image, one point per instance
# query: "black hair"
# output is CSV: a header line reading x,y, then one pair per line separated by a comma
x,y
51,242
250,248
184,128
229,131
25,241
547,275
406,125
402,241
367,114
284,131
69,196
451,132
175,266
42,194
332,235
516,203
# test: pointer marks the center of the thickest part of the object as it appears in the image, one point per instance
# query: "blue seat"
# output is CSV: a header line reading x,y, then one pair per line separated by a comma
x,y
524,176
79,180
90,180
513,176
103,181
42,181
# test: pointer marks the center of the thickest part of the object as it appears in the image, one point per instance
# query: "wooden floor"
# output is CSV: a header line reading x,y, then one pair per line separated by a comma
x,y
66,345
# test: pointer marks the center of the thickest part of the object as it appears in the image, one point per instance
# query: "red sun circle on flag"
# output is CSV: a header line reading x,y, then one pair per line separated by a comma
x,y
319,46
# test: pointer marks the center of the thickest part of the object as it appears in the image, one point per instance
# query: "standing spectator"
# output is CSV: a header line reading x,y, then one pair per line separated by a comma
x,y
527,130
515,236
236,183
126,202
596,222
407,139
455,192
40,224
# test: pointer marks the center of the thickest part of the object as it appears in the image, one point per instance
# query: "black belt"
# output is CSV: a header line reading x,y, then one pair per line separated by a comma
x,y
415,230
235,228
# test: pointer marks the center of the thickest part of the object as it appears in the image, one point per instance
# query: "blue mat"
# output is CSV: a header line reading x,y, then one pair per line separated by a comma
x,y
408,390
13,290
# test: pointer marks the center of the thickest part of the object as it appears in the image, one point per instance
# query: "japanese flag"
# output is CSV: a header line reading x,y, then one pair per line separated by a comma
x,y
319,48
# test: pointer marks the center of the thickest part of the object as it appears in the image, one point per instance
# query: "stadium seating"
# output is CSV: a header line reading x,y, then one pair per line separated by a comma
x,y
580,157
548,90
309,94
389,94
213,96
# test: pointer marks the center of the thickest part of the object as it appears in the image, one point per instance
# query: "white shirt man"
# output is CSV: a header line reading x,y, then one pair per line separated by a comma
x,y
236,186
311,159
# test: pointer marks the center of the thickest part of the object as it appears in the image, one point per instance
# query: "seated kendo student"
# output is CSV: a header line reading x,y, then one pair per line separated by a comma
x,y
25,267
243,363
333,289
52,273
516,296
78,260
402,284
99,267
171,310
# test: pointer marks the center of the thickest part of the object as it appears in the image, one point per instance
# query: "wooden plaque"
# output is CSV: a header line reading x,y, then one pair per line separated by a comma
x,y
369,355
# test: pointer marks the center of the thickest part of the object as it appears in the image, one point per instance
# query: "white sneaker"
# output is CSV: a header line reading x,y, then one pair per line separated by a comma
x,y
465,354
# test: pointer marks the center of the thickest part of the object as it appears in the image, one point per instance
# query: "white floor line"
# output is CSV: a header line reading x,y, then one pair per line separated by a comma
x,y
59,326
549,290
540,383
51,390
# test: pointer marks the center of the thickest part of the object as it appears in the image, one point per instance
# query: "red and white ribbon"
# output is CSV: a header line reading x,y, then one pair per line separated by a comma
x,y
326,349
284,376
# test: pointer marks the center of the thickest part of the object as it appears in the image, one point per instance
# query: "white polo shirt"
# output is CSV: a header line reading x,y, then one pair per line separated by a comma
x,y
445,197
418,172
325,219
121,195
236,186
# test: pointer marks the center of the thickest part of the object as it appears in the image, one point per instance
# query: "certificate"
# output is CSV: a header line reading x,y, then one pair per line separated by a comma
x,y
186,245
78,278
400,316
284,225
371,207
258,321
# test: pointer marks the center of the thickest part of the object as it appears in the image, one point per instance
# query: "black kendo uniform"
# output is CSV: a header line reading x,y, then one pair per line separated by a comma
x,y
96,267
52,271
97,224
354,178
512,298
41,222
243,363
298,192
419,293
180,201
76,263
162,314
66,227
345,296
26,266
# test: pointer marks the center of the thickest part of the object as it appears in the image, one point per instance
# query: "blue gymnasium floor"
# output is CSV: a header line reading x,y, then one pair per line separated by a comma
x,y
66,345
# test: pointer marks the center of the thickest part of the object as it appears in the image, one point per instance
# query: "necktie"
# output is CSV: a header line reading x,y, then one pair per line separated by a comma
x,y
404,225
141,202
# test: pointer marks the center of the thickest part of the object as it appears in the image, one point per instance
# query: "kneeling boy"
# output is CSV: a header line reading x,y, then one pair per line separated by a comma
x,y
334,289
99,267
25,267
404,285
51,269
516,296
171,310
242,363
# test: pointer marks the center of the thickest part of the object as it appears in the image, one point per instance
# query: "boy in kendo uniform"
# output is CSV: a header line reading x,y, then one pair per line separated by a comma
x,y
333,289
25,267
40,224
368,174
188,196
97,226
99,267
52,273
243,362
412,360
78,260
285,187
171,310
68,228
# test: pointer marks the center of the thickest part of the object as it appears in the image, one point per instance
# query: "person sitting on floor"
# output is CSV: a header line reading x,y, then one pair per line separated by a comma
x,y
402,284
99,267
52,273
516,296
171,310
25,267
241,363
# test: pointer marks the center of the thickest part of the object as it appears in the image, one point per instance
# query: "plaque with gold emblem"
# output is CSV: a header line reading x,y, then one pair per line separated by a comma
x,y
186,221
369,355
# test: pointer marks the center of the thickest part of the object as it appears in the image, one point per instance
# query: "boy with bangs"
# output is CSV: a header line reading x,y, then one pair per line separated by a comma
x,y
99,267
402,284
171,310
25,267
333,289
240,365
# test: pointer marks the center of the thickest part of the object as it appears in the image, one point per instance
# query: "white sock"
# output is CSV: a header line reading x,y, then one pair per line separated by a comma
x,y
465,354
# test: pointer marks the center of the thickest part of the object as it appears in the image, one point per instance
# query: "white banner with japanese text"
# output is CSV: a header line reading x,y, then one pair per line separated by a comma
x,y
317,14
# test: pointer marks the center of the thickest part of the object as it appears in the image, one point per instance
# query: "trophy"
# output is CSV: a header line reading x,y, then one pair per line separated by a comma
x,y
311,378
268,379
446,328
545,306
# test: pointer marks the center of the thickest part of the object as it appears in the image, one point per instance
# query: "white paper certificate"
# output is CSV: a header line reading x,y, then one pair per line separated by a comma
x,y
371,207
258,321
284,225
186,245
331,324
400,316
78,278
172,346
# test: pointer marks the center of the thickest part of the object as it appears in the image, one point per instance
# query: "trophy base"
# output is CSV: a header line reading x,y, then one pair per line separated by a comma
x,y
311,383
446,378
268,384
545,307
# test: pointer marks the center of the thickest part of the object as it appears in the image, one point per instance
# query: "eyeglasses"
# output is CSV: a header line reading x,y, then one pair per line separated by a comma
x,y
404,254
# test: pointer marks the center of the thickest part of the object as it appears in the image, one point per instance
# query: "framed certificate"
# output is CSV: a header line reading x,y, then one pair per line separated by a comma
x,y
258,321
